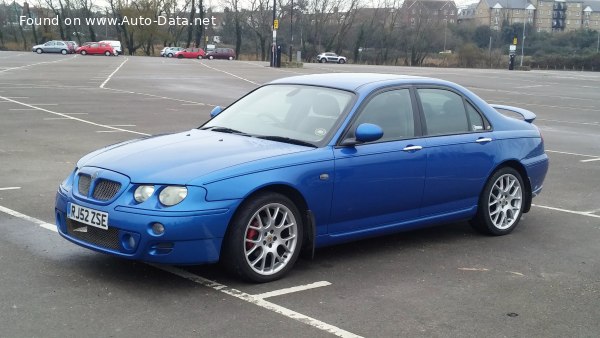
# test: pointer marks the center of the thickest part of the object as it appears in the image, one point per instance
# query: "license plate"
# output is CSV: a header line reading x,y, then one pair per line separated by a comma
x,y
88,216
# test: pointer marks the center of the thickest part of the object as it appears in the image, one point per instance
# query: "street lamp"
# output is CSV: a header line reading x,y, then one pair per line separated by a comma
x,y
528,12
274,47
291,30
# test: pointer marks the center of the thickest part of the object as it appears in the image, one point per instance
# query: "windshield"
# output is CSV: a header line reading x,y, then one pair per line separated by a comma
x,y
297,112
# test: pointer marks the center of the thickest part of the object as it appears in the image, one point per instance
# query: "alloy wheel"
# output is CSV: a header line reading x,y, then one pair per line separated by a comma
x,y
505,201
270,239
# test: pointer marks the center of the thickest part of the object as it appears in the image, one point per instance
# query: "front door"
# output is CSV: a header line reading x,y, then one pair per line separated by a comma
x,y
380,184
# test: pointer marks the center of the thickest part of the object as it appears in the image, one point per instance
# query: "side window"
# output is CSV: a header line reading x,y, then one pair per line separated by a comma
x,y
444,112
475,120
392,111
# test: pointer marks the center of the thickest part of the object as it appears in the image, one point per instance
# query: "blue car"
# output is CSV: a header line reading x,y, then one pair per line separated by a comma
x,y
305,162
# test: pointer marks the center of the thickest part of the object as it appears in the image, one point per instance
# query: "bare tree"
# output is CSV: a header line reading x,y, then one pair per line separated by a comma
x,y
260,17
236,12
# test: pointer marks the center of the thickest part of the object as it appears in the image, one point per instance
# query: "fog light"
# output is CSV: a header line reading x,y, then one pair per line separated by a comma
x,y
129,241
158,229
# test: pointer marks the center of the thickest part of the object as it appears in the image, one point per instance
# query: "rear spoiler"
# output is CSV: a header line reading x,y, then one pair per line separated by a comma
x,y
527,115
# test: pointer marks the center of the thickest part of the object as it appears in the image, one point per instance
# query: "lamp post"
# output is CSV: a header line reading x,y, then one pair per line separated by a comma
x,y
274,46
291,30
523,41
528,13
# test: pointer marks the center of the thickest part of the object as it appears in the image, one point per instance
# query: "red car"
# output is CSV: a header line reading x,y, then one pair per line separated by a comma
x,y
190,53
97,48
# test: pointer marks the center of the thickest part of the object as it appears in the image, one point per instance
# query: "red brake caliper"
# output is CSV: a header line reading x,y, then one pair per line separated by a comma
x,y
251,234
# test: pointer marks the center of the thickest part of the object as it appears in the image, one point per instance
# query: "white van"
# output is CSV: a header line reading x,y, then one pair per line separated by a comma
x,y
115,44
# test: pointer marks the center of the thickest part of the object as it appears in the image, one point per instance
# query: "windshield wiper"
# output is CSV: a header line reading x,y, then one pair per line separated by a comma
x,y
224,130
287,140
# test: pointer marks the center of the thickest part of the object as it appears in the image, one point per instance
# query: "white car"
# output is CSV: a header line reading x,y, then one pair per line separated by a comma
x,y
115,44
331,57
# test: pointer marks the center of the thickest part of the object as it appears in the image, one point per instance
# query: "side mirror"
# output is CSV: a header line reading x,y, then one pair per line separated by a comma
x,y
216,111
365,132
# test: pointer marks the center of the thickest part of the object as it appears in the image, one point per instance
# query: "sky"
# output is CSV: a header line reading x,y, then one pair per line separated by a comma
x,y
218,3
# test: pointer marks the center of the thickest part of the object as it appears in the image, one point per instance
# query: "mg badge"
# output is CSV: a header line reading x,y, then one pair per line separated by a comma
x,y
95,175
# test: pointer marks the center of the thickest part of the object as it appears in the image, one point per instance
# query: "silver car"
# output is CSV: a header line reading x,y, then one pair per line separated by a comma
x,y
331,57
171,51
53,46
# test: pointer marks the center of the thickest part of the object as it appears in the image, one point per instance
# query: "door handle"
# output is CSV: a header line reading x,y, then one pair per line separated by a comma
x,y
484,140
412,148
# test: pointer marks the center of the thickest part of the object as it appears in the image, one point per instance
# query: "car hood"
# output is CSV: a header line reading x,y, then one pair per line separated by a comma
x,y
182,157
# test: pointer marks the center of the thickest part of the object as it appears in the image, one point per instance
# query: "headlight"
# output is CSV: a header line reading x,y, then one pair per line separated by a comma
x,y
172,195
143,192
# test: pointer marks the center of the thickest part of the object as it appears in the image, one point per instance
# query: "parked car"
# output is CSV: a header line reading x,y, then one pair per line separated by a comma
x,y
170,51
97,48
53,46
190,53
221,53
331,57
72,46
306,162
115,44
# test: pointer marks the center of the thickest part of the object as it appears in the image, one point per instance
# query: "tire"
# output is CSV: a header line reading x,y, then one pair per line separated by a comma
x,y
322,60
83,52
342,61
211,57
199,57
501,204
107,53
64,52
170,55
254,248
39,51
180,56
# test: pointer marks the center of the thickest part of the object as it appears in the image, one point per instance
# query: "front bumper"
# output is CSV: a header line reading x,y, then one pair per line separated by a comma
x,y
190,237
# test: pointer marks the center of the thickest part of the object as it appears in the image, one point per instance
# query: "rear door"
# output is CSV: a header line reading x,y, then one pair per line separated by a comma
x,y
461,151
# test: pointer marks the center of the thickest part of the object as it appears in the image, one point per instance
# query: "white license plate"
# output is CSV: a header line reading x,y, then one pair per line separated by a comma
x,y
88,216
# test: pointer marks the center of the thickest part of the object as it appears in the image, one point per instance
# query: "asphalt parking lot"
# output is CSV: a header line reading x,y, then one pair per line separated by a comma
x,y
543,280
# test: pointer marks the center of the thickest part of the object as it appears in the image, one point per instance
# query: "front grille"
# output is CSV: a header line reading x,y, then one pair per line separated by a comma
x,y
104,238
84,184
105,189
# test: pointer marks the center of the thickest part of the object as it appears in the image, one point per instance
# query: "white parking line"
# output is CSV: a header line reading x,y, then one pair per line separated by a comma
x,y
593,157
75,118
157,96
572,122
10,188
581,213
292,290
228,73
113,73
41,223
256,300
34,64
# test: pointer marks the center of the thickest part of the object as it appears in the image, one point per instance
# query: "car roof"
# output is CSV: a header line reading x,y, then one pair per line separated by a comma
x,y
354,81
